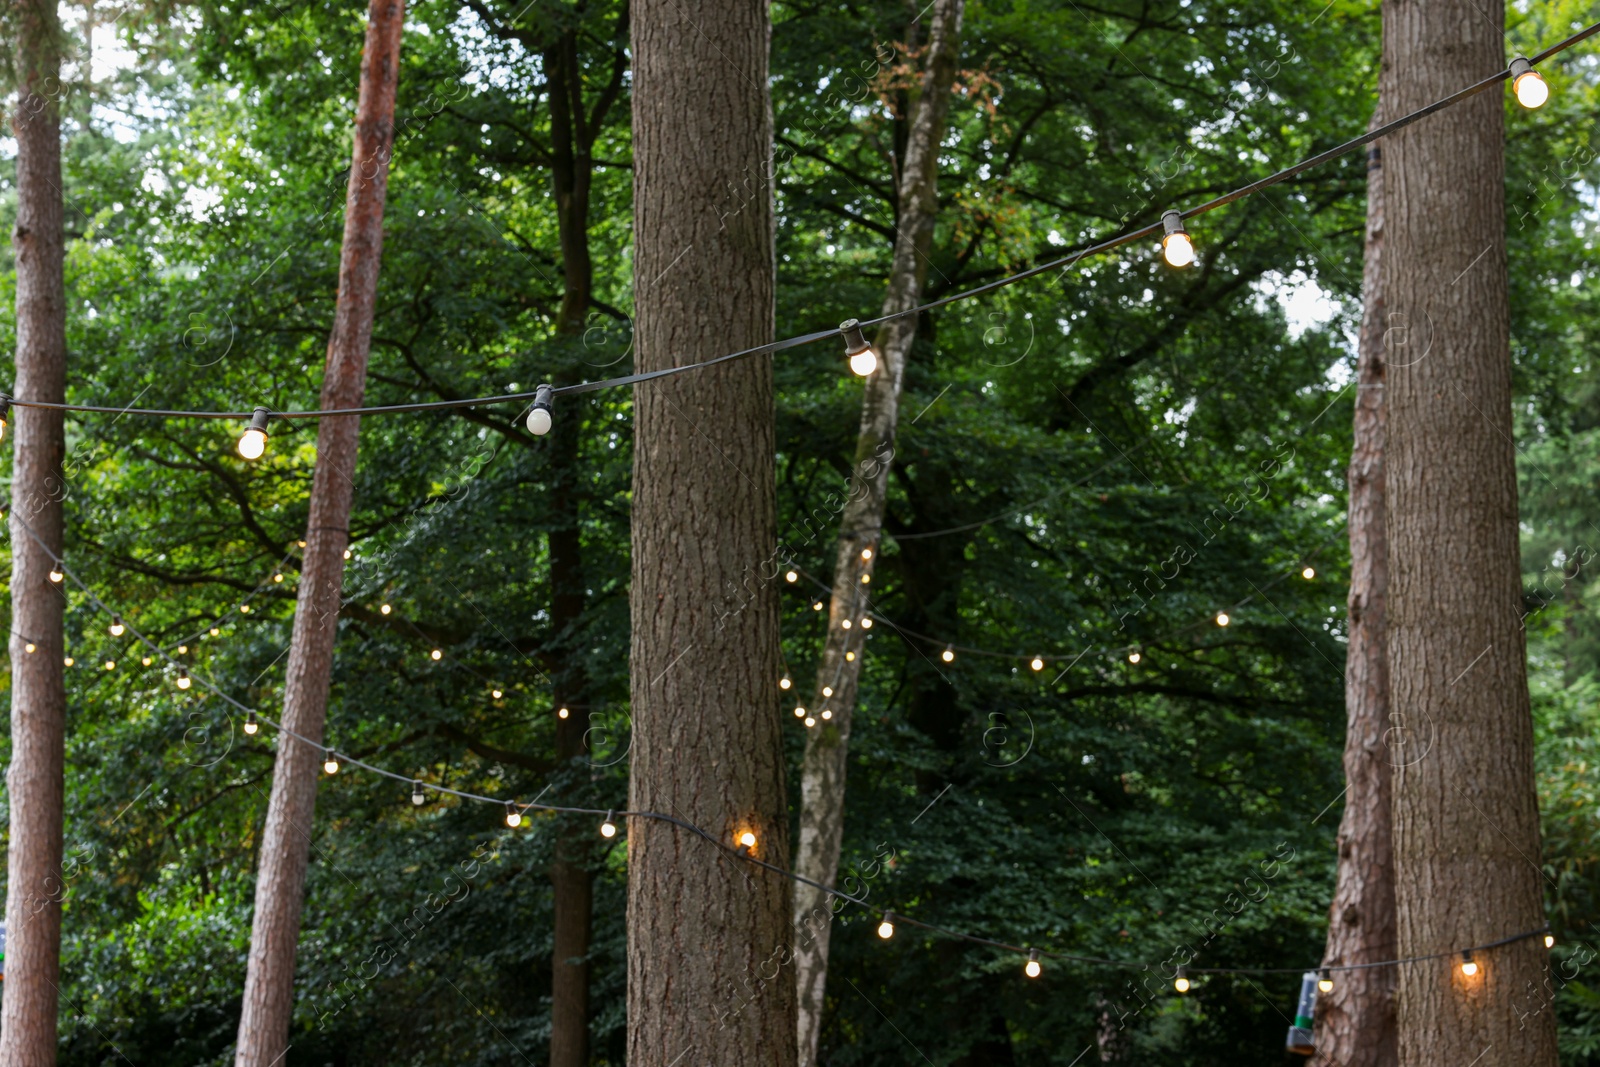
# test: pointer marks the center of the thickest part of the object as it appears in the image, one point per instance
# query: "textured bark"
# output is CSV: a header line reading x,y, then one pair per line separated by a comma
x,y
708,935
1466,826
286,838
822,783
1355,1025
38,694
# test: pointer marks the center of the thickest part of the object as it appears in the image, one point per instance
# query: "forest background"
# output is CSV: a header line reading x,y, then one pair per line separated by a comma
x,y
1091,465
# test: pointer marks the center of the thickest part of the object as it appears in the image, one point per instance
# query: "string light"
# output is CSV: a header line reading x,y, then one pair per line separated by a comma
x,y
816,605
866,554
69,661
810,722
385,609
849,657
183,677
609,828
278,577
30,648
116,627
5,414
863,360
111,664
827,690
146,660
348,553
1325,981
1469,966
253,444
791,577
747,840
183,650
1181,983
827,713
845,623
250,724
436,654
539,420
866,624
1175,243
1032,968
513,816
886,927
330,763
1549,940
215,632
785,682
1037,664
56,576
496,693
563,713
1528,84
949,654
244,609
1134,657
418,797
1222,618
866,579
799,712
1309,573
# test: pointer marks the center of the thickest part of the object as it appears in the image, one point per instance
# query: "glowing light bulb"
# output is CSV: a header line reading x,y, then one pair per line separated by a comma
x,y
539,419
436,654
116,626
244,609
799,712
866,579
747,840
1134,657
277,577
1181,984
949,654
609,828
1325,982
1176,247
497,693
69,661
385,609
563,713
1468,966
1032,968
845,623
5,414
418,797
253,445
866,624
250,724
785,682
302,544
30,648
1309,573
1549,940
347,553
183,650
215,632
56,576
791,577
330,763
849,657
866,553
146,660
183,679
863,360
513,816
1037,664
810,722
886,927
816,605
827,690
111,664
1222,618
827,713
1528,85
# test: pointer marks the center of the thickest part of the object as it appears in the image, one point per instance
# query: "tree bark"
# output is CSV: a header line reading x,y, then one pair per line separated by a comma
x,y
34,780
1357,1026
285,840
822,782
1466,821
708,934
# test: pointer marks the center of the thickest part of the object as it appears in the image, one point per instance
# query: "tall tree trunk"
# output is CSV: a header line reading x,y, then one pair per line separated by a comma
x,y
38,694
707,933
822,780
1466,820
1357,1027
285,841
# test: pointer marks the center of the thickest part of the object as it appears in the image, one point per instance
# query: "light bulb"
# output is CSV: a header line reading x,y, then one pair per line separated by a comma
x,y
277,577
866,579
1178,249
863,360
69,661
810,722
845,623
244,609
385,609
183,679
827,713
949,654
513,816
5,414
418,797
347,553
56,576
253,445
866,624
436,654
1032,968
816,605
116,626
111,664
747,840
1222,618
1134,657
497,693
302,544
1325,982
784,682
886,927
827,690
609,828
1037,664
1181,984
215,632
250,724
866,553
1549,940
799,712
849,657
1309,573
330,764
1468,967
183,650
30,648
539,420
1529,86
146,661
791,577
563,713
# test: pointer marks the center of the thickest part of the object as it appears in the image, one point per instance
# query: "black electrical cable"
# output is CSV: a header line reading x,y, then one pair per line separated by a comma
x,y
805,339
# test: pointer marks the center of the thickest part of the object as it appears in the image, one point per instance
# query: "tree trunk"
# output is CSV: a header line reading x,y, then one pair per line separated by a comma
x,y
285,841
38,694
1357,1027
708,934
1466,821
822,780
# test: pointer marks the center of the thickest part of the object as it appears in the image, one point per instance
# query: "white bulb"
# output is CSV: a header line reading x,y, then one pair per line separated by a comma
x,y
418,797
331,765
1531,89
1037,664
1309,573
1181,985
607,829
539,422
1134,657
253,444
791,577
117,628
886,929
513,819
56,576
1031,969
784,682
1549,940
1222,618
1325,985
436,654
250,726
497,693
1469,969
827,713
864,362
948,655
747,839
1178,249
810,722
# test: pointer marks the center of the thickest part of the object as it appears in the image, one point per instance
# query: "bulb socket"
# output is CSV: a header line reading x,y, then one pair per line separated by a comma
x,y
1171,223
1519,67
855,342
258,420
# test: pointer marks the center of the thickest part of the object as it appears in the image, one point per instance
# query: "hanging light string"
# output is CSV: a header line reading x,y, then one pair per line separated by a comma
x,y
1527,85
334,760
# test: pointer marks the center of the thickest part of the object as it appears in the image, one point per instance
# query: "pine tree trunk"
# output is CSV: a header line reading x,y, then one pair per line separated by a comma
x,y
822,782
1356,1027
285,840
1466,821
708,934
38,694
